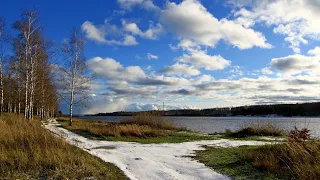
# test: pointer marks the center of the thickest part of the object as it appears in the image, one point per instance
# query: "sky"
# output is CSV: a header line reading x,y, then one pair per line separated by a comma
x,y
191,53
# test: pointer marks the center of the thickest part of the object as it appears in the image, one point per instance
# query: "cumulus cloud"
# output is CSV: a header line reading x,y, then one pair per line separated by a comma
x,y
266,71
202,60
295,64
111,34
148,107
243,91
315,51
109,68
102,104
101,33
145,4
92,32
257,90
181,69
151,56
298,20
190,20
152,33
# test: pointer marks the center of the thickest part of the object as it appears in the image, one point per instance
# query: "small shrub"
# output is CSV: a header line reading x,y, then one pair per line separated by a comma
x,y
299,135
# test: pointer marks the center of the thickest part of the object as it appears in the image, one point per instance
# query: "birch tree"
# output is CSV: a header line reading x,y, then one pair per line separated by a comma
x,y
2,54
28,28
74,74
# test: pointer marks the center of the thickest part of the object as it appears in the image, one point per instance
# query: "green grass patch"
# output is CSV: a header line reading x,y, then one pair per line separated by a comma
x,y
172,137
232,162
289,160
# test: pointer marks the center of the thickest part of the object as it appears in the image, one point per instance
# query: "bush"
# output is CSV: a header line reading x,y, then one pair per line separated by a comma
x,y
299,135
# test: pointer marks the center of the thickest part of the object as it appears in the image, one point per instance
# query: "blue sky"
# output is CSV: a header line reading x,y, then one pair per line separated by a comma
x,y
189,54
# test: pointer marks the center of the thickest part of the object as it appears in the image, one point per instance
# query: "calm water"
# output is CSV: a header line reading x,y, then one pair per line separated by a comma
x,y
220,124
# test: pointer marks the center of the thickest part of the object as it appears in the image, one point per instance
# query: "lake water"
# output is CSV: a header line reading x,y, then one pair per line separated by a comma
x,y
220,124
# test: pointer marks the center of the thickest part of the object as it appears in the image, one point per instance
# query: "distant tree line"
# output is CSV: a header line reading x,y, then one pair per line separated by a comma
x,y
304,109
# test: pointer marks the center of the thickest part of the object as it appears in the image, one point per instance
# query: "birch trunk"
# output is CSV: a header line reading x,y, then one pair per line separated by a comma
x,y
1,87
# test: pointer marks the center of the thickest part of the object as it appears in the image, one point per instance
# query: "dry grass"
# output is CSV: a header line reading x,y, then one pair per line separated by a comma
x,y
28,151
298,158
257,130
292,160
153,120
123,129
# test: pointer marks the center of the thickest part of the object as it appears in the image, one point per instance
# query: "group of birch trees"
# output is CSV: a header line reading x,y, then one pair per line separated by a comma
x,y
26,84
30,81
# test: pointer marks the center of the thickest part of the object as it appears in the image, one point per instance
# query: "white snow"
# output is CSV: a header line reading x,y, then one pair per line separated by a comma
x,y
151,161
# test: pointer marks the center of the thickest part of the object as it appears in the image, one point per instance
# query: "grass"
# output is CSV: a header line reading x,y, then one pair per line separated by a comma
x,y
256,130
232,162
153,120
297,158
292,160
143,128
29,151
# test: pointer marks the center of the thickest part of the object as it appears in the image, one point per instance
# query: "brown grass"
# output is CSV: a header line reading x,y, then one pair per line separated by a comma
x,y
153,120
28,151
123,129
298,158
292,160
257,130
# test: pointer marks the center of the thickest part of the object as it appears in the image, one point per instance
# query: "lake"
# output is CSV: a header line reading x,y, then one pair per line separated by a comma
x,y
220,124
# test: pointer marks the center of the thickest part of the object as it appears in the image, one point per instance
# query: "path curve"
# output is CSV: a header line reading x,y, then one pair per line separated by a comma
x,y
151,161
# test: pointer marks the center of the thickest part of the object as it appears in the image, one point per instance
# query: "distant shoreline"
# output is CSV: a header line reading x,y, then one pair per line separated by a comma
x,y
275,110
264,116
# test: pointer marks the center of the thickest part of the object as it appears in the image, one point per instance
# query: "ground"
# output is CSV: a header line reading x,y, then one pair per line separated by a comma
x,y
161,161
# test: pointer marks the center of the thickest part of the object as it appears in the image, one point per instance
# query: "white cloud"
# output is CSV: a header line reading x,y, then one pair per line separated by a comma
x,y
298,20
190,20
202,60
181,69
152,33
92,32
111,69
148,107
100,34
103,104
266,71
295,64
146,4
151,56
283,89
315,51
129,40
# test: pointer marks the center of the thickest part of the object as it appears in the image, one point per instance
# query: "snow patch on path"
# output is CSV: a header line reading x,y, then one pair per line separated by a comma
x,y
151,161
